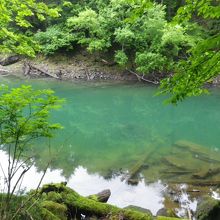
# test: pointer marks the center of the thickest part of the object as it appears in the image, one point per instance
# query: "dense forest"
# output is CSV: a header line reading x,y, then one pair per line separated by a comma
x,y
174,39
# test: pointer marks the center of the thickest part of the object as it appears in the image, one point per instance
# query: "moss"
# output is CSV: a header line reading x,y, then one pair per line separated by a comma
x,y
168,218
59,210
47,215
77,204
54,196
93,197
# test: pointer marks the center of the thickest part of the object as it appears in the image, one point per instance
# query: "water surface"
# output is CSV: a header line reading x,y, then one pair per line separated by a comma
x,y
109,129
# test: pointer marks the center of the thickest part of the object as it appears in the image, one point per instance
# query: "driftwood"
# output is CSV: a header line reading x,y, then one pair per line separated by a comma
x,y
108,63
102,196
29,69
198,182
139,77
177,163
131,177
206,174
200,152
177,172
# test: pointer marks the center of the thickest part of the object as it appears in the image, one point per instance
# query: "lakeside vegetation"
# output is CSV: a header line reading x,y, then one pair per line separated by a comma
x,y
177,40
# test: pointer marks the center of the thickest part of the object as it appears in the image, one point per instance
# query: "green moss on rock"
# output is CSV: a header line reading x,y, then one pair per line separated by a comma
x,y
59,210
77,204
168,218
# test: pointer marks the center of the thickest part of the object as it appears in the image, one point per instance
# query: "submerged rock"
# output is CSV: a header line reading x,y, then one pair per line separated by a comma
x,y
208,209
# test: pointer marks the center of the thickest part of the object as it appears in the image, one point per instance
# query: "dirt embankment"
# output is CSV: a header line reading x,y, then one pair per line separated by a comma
x,y
78,66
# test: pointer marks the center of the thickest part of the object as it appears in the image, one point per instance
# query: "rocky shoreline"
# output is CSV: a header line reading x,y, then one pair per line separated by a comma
x,y
80,66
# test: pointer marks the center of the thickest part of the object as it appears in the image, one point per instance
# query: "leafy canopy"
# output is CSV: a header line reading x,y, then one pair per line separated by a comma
x,y
204,61
137,32
15,21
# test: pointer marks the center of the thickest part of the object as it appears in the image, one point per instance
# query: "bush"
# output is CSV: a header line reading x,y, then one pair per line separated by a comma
x,y
55,38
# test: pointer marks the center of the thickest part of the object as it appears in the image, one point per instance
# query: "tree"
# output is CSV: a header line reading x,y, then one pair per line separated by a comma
x,y
15,24
24,116
203,63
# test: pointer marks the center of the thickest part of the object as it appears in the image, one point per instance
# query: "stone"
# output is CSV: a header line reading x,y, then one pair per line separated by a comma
x,y
166,212
9,60
139,209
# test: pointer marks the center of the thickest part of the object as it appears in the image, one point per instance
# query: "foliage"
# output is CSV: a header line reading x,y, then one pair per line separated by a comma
x,y
142,35
54,38
24,116
121,58
15,20
204,61
136,30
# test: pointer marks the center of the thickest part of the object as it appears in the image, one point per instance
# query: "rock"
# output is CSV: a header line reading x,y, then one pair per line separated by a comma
x,y
78,205
132,181
166,212
102,196
139,209
9,60
4,71
208,209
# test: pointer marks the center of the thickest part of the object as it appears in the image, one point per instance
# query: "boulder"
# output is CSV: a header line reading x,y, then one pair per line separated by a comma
x,y
166,212
139,209
9,60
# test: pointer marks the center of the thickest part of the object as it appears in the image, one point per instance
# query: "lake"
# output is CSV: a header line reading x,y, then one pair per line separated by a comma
x,y
122,137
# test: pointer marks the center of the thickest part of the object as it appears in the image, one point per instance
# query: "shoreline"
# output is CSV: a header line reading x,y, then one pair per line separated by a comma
x,y
80,67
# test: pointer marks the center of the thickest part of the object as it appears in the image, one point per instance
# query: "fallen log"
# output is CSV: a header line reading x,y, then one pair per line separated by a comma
x,y
139,77
206,174
179,164
198,182
108,63
136,169
102,196
177,172
28,68
200,152
78,205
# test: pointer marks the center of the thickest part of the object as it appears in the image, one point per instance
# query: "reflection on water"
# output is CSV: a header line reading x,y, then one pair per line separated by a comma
x,y
146,196
149,196
119,133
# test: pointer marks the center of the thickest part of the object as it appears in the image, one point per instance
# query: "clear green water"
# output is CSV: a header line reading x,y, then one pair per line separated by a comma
x,y
110,128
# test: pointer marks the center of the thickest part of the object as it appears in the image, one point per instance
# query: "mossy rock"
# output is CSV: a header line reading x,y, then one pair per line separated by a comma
x,y
168,218
59,210
78,205
166,212
208,209
138,209
47,215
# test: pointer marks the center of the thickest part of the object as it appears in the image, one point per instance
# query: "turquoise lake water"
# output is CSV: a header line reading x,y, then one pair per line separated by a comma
x,y
110,128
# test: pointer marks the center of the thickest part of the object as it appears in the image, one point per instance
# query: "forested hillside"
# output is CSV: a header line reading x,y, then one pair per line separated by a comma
x,y
148,37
